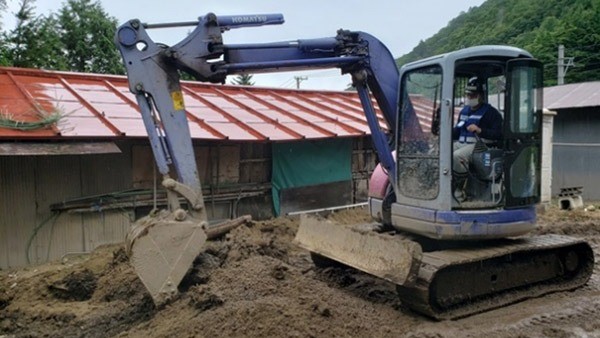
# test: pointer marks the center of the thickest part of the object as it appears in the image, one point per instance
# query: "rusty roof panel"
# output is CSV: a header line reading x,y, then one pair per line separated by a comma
x,y
198,132
207,114
133,127
86,126
333,105
18,107
101,106
70,108
245,100
117,110
308,131
227,128
9,91
97,96
276,115
274,132
48,91
338,129
362,128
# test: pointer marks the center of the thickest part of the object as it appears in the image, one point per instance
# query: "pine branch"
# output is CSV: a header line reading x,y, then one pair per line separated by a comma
x,y
45,120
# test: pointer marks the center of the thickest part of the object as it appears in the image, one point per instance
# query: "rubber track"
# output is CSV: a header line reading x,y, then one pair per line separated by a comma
x,y
418,297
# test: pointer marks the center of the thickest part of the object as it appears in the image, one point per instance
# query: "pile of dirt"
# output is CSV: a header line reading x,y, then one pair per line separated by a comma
x,y
255,282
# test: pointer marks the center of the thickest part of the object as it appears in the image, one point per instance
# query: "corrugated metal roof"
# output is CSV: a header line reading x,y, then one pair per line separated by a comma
x,y
576,95
101,106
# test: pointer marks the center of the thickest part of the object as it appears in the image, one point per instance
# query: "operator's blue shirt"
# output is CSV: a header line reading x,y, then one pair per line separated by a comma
x,y
485,117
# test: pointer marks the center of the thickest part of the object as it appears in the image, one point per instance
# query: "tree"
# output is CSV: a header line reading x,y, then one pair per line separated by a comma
x,y
2,7
35,41
87,33
79,38
243,80
3,45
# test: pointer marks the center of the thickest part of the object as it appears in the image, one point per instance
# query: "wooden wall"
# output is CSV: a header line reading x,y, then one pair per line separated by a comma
x,y
235,177
30,184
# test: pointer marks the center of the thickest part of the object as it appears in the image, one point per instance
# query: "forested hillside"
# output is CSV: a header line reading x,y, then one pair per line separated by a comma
x,y
538,26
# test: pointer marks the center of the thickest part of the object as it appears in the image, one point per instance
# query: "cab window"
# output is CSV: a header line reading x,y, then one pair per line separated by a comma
x,y
418,138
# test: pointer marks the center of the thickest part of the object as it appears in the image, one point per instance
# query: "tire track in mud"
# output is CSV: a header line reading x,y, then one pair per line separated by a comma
x,y
574,318
566,319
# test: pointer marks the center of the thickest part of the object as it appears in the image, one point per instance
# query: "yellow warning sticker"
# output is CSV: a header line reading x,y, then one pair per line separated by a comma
x,y
177,97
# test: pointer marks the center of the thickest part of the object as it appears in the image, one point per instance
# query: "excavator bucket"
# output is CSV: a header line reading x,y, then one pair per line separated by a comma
x,y
162,250
387,256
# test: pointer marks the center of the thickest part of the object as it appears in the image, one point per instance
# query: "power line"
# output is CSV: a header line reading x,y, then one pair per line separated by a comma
x,y
287,82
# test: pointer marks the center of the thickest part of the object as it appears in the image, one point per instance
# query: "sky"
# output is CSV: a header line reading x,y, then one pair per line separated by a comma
x,y
399,24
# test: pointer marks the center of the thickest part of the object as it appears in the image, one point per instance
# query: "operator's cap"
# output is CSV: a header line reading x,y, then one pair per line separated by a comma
x,y
474,86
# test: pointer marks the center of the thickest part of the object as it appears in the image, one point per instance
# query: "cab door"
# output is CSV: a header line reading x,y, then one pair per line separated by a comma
x,y
523,132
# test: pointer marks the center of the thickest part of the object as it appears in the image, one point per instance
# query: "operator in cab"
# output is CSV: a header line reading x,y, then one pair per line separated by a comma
x,y
477,120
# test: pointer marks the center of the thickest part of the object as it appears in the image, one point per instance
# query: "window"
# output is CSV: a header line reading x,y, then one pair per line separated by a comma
x,y
525,100
418,138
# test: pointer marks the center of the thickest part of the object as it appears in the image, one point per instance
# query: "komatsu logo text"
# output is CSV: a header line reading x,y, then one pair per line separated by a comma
x,y
249,19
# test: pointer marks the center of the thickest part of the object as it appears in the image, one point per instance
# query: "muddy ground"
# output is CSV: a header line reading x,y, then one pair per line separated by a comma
x,y
255,282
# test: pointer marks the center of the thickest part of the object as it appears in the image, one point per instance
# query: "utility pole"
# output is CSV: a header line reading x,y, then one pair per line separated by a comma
x,y
299,79
563,64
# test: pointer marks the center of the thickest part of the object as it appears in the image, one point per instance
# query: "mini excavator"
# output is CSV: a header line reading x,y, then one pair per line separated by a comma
x,y
449,257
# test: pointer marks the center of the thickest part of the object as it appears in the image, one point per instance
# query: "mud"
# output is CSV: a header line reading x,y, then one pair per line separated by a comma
x,y
256,282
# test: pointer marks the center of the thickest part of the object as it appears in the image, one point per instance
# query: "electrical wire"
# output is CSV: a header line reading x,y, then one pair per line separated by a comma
x,y
53,217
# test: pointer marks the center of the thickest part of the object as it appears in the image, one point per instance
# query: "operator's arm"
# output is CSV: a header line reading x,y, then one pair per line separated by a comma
x,y
491,125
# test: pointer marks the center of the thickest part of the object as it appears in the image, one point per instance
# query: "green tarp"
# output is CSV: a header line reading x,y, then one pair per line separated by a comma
x,y
305,163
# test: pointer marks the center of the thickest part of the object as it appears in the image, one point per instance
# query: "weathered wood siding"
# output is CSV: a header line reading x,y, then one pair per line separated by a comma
x,y
30,184
235,176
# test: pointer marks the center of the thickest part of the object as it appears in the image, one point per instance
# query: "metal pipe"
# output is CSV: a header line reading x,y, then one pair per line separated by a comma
x,y
265,66
226,21
327,209
170,24
221,229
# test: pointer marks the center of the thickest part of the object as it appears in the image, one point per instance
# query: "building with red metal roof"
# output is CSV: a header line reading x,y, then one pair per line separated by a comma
x,y
67,186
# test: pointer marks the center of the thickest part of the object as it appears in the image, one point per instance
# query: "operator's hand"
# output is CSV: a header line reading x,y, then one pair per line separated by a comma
x,y
474,128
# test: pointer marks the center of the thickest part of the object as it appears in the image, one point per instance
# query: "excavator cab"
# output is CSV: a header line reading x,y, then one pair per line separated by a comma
x,y
514,89
503,181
